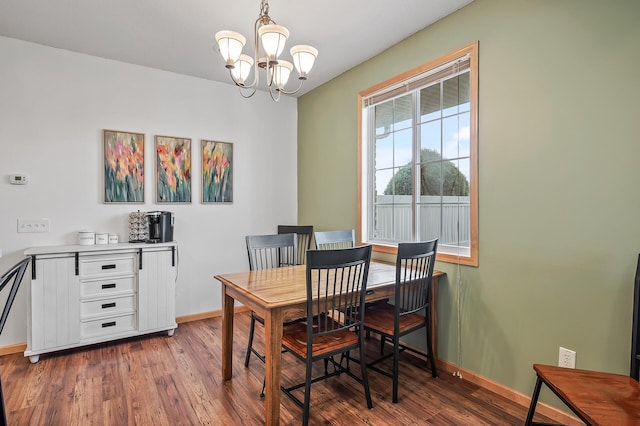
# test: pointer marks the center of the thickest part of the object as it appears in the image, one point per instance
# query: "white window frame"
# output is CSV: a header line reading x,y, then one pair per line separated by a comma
x,y
406,83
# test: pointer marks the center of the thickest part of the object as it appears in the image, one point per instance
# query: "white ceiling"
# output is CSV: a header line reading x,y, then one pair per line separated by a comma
x,y
178,35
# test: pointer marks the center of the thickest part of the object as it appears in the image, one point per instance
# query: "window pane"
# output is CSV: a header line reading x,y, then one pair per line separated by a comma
x,y
455,94
463,92
464,135
402,112
401,183
384,118
383,221
455,181
402,149
393,221
383,154
430,103
450,135
402,221
430,179
382,179
430,136
429,217
450,223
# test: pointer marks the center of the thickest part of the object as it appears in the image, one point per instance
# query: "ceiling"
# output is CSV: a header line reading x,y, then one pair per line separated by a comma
x,y
178,35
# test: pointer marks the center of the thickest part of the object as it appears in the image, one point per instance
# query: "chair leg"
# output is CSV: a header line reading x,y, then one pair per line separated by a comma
x,y
307,393
534,402
396,362
365,378
432,358
250,344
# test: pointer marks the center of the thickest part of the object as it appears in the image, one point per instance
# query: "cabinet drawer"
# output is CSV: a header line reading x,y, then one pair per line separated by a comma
x,y
105,326
111,306
107,287
101,266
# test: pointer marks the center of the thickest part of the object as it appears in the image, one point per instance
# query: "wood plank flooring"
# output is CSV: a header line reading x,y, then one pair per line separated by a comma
x,y
161,380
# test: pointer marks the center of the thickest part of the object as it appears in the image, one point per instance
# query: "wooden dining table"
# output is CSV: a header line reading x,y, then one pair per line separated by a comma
x,y
279,294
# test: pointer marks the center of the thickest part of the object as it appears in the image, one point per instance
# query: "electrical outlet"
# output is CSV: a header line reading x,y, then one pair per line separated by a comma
x,y
566,358
33,225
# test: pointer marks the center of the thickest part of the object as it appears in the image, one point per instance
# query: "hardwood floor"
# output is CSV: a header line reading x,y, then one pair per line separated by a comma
x,y
161,380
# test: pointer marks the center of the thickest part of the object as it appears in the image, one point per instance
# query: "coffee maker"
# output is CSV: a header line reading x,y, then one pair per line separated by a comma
x,y
160,227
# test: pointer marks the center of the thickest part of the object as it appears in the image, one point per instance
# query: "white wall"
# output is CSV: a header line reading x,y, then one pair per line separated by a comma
x,y
54,105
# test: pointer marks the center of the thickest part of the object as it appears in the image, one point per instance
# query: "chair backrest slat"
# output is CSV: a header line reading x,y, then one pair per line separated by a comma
x,y
415,263
331,240
305,236
271,251
336,281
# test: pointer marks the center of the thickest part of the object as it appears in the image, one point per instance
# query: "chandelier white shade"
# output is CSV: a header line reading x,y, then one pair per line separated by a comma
x,y
269,43
242,68
303,58
273,38
230,44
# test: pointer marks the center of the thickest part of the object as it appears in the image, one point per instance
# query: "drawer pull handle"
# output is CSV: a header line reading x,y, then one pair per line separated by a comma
x,y
112,285
108,324
108,305
369,292
112,266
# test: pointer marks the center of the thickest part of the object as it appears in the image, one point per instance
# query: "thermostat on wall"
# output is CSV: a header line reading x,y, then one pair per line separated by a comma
x,y
18,179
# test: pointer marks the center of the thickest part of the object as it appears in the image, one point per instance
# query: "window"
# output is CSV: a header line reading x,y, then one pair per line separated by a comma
x,y
418,158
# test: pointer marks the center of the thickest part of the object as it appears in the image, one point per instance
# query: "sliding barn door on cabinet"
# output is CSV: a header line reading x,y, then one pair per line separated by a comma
x,y
54,309
157,289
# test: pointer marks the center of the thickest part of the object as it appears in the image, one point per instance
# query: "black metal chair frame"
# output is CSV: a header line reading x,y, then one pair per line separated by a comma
x,y
16,273
634,370
336,287
305,237
415,264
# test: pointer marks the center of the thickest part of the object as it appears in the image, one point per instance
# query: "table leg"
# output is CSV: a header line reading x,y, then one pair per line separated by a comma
x,y
227,334
273,365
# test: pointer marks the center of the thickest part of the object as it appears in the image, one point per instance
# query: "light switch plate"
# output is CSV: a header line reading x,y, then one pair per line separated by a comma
x,y
33,225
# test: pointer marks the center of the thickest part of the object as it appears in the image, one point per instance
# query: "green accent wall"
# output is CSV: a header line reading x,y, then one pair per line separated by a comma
x,y
559,180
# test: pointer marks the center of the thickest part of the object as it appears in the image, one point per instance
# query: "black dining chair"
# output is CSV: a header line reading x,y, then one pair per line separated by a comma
x,y
336,287
305,237
15,274
327,240
266,252
411,308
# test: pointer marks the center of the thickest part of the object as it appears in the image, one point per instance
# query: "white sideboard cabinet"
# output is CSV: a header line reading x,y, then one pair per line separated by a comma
x,y
81,295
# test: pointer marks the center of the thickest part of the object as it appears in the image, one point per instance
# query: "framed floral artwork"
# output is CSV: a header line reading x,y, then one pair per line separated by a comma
x,y
173,169
123,166
217,172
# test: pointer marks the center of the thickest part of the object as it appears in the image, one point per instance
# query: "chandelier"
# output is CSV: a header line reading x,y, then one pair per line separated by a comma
x,y
271,38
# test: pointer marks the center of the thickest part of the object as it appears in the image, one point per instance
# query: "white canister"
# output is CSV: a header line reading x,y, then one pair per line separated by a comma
x,y
86,238
102,238
113,238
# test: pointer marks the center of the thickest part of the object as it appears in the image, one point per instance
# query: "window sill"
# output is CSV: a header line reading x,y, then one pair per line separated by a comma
x,y
440,257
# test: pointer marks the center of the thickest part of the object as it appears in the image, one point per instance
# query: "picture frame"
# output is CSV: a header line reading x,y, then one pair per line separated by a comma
x,y
123,167
217,172
173,169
